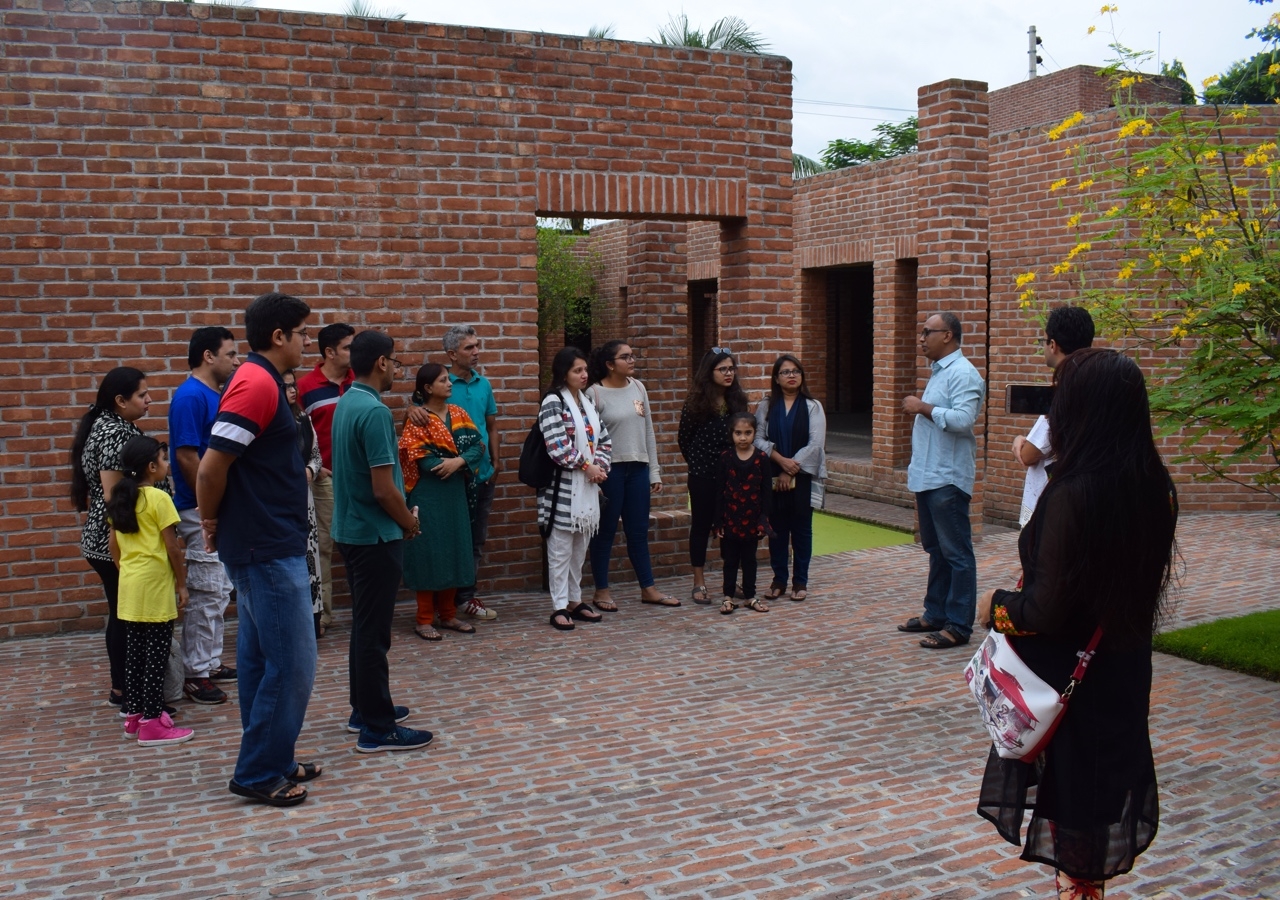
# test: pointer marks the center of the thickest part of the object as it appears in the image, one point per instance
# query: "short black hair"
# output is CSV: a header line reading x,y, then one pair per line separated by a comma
x,y
952,321
1070,327
269,313
333,335
741,417
367,348
210,338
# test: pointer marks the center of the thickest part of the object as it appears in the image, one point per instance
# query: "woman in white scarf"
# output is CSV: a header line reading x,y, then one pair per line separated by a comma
x,y
578,443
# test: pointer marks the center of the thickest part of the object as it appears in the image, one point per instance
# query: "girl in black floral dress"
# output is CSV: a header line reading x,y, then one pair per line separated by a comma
x,y
742,510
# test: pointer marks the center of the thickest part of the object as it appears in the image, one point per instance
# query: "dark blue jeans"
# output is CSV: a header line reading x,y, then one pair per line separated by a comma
x,y
792,524
952,597
276,659
626,495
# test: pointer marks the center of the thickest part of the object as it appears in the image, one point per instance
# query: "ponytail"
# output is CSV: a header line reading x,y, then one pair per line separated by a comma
x,y
137,455
119,382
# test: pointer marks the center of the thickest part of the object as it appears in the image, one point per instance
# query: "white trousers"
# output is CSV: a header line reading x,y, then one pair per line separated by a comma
x,y
566,551
209,591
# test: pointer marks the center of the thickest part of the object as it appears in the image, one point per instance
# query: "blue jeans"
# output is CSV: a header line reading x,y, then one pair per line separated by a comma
x,y
626,494
276,662
792,522
951,600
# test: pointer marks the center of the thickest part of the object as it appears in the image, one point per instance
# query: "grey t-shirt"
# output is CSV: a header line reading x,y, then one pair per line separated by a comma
x,y
625,412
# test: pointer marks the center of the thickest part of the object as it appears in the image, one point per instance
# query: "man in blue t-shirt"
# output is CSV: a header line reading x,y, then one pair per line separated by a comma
x,y
212,357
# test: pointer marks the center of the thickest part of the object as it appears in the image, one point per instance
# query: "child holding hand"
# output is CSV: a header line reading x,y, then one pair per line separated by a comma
x,y
741,517
144,545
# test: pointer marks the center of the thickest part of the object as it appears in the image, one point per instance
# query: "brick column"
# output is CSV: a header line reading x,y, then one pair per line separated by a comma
x,y
896,355
757,284
953,214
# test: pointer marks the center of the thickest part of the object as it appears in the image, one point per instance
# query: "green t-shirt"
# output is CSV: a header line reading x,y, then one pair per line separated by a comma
x,y
364,436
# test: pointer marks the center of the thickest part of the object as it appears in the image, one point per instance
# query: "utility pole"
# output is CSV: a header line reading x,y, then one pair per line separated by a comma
x,y
1033,58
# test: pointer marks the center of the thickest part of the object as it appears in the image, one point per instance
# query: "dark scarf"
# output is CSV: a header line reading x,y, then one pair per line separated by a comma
x,y
788,441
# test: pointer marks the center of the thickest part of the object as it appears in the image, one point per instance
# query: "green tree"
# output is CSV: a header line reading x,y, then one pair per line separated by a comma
x,y
730,33
803,166
365,9
1177,251
566,286
601,32
1246,81
895,139
1177,70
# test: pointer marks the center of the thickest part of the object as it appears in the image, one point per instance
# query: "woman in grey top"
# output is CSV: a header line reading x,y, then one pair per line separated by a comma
x,y
623,405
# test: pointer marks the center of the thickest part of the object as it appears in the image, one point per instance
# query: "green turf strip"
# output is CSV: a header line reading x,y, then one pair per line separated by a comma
x,y
1249,644
833,534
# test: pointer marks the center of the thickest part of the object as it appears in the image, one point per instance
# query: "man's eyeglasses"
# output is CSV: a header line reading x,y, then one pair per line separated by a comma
x,y
395,362
925,332
301,332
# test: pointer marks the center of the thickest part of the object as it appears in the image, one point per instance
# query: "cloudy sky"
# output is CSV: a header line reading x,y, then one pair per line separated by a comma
x,y
875,54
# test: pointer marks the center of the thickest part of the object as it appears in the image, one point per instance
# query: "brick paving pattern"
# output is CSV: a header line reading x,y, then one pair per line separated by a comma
x,y
810,751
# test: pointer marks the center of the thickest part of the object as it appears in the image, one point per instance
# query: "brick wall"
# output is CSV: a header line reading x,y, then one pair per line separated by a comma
x,y
163,164
1049,99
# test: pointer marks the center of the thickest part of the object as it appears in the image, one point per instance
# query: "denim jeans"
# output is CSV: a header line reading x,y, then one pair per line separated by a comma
x,y
792,524
952,597
276,663
373,572
479,534
626,494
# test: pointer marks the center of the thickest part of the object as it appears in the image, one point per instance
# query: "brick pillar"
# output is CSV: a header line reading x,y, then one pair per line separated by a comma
x,y
757,285
896,356
952,208
658,331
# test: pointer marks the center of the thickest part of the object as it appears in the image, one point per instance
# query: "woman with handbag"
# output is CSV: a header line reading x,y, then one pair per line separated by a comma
x,y
703,438
1096,558
791,429
569,508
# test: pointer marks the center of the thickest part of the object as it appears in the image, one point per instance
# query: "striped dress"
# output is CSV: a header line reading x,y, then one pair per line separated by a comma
x,y
556,423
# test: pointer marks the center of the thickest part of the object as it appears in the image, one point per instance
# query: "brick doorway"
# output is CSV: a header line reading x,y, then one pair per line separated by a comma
x,y
850,308
704,325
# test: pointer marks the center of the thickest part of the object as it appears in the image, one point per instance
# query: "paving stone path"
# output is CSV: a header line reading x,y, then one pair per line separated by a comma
x,y
810,751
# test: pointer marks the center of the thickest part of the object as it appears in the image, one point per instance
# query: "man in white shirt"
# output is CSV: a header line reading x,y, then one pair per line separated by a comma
x,y
1069,328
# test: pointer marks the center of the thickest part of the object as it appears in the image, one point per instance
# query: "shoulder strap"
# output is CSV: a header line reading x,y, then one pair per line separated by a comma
x,y
1085,656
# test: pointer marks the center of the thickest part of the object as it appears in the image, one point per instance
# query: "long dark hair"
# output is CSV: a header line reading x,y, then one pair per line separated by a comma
x,y
561,365
775,390
1113,507
427,376
703,403
139,452
598,364
119,382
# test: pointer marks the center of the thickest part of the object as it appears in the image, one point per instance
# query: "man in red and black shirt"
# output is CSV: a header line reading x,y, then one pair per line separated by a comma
x,y
251,490
318,393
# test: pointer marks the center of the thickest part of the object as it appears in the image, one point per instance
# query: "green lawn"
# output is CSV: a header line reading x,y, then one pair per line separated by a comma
x,y
1249,644
833,534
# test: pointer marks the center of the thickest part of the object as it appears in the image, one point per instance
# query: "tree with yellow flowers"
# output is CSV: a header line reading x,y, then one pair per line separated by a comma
x,y
1178,249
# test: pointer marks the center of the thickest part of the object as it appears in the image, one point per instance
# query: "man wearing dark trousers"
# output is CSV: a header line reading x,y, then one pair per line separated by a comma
x,y
370,523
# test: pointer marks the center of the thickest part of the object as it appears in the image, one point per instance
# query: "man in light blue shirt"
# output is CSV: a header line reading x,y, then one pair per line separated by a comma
x,y
943,459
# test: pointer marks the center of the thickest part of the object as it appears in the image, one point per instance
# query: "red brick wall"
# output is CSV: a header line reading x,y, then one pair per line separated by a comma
x,y
163,164
1050,99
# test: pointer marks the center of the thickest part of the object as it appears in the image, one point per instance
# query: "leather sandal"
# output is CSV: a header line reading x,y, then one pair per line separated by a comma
x,y
558,625
584,613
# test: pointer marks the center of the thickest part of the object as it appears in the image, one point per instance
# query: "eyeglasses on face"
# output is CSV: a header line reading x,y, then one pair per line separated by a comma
x,y
788,373
625,357
726,370
925,332
301,332
395,362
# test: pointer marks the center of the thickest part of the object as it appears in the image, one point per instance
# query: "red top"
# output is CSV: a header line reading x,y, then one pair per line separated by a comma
x,y
318,396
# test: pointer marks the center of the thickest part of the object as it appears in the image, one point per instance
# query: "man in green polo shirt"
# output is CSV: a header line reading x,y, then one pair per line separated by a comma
x,y
473,392
370,524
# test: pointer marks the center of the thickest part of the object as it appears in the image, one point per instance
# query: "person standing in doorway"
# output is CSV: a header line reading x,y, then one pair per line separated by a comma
x,y
941,474
212,358
318,393
252,495
371,522
473,392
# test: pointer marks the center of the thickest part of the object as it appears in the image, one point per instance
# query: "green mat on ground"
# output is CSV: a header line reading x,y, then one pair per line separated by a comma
x,y
1249,644
833,534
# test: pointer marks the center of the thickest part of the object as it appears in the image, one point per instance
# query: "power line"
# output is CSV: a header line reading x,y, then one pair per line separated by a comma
x,y
854,105
805,112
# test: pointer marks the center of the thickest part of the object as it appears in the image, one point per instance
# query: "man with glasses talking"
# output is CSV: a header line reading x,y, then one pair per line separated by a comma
x,y
943,462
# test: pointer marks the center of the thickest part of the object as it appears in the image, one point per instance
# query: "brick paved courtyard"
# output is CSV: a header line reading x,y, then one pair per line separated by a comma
x,y
811,751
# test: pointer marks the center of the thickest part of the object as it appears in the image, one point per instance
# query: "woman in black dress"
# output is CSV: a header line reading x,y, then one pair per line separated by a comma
x,y
1097,552
703,436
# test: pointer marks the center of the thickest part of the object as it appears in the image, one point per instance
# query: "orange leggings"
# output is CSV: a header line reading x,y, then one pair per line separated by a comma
x,y
437,603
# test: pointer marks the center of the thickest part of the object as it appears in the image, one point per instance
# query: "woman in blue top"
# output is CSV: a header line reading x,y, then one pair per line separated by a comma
x,y
791,429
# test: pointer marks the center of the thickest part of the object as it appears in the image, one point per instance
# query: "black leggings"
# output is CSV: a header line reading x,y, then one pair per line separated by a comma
x,y
110,576
737,552
702,508
146,659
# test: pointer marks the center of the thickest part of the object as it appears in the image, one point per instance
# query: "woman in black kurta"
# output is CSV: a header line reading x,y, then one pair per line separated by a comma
x,y
1097,551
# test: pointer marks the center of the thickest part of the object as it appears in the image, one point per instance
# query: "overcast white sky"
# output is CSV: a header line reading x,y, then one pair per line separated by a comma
x,y
878,53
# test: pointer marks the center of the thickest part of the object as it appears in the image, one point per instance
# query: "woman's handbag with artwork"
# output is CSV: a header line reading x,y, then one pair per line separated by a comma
x,y
1020,711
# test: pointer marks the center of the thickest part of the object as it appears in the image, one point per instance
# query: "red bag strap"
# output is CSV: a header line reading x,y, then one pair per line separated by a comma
x,y
1085,656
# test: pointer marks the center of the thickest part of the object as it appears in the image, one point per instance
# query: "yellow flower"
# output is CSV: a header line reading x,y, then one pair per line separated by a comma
x,y
1078,249
1092,29
1087,183
1126,272
1108,8
1239,288
1112,212
1073,221
1210,81
1274,69
1178,332
1062,268
1025,279
1195,251
1127,81
1072,120
1060,183
1209,154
